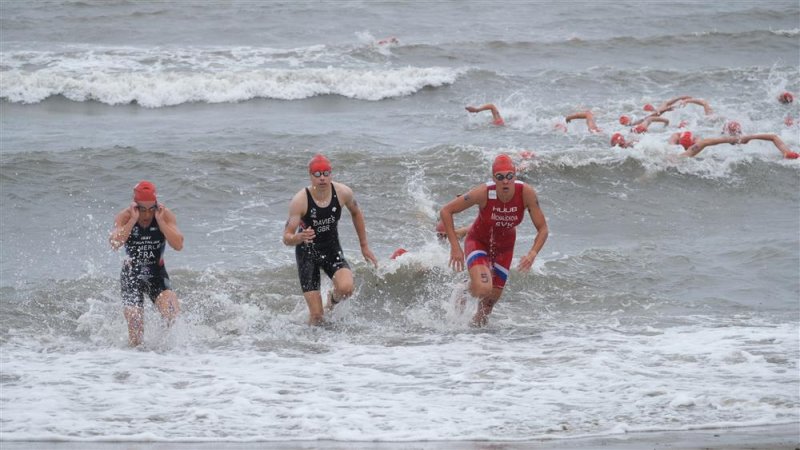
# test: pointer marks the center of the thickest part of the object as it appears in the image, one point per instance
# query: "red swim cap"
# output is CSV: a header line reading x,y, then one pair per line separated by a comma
x,y
503,163
786,97
617,139
144,191
624,120
318,163
649,107
686,140
641,128
732,128
397,253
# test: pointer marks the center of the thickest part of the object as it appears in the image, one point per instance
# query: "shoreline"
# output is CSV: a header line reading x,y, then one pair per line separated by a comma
x,y
775,437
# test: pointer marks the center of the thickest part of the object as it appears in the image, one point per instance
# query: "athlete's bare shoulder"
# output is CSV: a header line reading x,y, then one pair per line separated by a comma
x,y
123,216
299,202
343,191
529,195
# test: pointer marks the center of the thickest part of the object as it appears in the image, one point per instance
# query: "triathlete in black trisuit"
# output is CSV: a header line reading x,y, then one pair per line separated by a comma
x,y
314,213
324,252
144,228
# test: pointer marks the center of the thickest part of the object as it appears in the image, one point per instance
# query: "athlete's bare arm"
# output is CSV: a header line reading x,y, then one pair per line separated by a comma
x,y
586,115
537,217
123,223
168,223
700,145
348,199
779,144
699,101
476,196
297,208
496,117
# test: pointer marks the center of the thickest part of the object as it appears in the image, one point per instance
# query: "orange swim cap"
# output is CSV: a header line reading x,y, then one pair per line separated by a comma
x,y
319,163
503,163
617,139
144,191
686,140
624,120
648,107
786,97
397,253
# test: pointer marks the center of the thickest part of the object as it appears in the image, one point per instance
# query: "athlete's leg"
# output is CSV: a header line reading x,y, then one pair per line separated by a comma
x,y
485,307
132,299
498,275
168,305
342,286
315,311
480,281
308,272
135,317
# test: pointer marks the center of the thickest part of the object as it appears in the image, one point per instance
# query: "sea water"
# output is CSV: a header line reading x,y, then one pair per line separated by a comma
x,y
665,298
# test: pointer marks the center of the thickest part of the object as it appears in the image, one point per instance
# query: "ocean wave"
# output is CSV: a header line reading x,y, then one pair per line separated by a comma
x,y
644,41
161,89
85,57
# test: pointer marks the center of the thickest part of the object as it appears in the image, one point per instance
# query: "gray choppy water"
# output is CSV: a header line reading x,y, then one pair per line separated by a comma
x,y
665,298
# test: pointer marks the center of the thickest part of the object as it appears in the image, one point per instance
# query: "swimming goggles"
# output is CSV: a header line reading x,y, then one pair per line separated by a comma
x,y
145,208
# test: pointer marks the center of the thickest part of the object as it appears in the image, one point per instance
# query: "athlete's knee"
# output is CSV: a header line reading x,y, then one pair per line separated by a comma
x,y
342,292
343,284
480,290
480,284
168,304
134,314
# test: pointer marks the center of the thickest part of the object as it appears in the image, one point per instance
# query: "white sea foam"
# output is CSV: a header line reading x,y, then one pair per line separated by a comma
x,y
157,77
569,378
160,89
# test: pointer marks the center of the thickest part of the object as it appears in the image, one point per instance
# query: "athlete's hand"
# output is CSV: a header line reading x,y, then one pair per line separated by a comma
x,y
134,210
369,256
306,236
526,262
161,210
457,258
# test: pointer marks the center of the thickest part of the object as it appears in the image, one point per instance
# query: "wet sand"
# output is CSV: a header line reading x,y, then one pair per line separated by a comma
x,y
777,437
